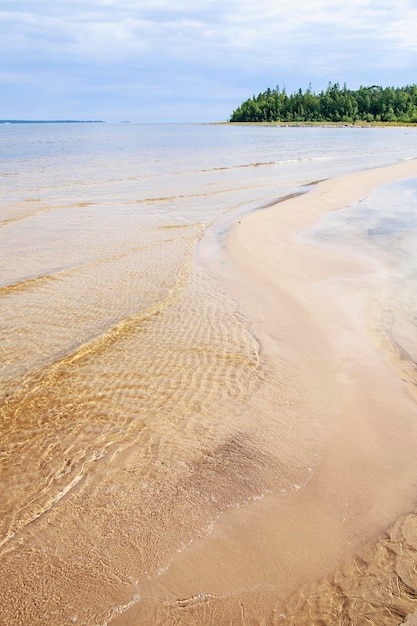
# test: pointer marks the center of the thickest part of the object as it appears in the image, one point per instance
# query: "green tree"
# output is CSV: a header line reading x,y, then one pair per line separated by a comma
x,y
335,104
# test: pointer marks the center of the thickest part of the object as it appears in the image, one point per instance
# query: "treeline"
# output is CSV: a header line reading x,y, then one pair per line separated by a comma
x,y
335,104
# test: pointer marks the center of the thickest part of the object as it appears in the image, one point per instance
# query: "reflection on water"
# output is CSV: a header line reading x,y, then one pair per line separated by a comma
x,y
387,216
383,228
136,401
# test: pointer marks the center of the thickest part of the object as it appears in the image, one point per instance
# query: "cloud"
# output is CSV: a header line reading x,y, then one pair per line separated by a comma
x,y
208,54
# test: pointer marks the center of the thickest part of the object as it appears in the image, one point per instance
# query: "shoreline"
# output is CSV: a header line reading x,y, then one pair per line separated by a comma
x,y
255,558
370,443
321,124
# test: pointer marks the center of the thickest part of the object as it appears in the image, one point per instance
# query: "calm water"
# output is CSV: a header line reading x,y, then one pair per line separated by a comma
x,y
383,228
128,374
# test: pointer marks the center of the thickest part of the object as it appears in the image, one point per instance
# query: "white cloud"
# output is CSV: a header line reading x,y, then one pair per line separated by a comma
x,y
203,50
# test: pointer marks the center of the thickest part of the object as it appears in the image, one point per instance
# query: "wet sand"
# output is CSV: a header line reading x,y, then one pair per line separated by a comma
x,y
260,471
339,547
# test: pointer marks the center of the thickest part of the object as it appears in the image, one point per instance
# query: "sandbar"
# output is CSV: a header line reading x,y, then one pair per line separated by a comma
x,y
320,550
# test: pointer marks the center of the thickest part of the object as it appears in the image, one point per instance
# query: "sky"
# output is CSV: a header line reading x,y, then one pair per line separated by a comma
x,y
192,60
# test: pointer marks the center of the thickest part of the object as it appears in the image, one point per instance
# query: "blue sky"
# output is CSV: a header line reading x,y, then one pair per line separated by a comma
x,y
192,60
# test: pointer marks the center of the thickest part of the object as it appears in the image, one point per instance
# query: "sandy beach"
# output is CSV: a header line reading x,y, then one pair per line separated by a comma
x,y
208,400
340,546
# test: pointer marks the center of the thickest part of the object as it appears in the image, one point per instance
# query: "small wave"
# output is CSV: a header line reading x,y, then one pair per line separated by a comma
x,y
40,210
177,226
304,160
36,281
118,331
119,610
55,499
26,283
240,166
267,163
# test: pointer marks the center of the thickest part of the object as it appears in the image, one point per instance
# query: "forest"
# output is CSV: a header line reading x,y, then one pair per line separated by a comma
x,y
335,104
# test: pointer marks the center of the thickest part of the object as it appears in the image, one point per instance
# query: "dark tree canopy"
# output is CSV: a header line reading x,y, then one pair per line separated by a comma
x,y
335,104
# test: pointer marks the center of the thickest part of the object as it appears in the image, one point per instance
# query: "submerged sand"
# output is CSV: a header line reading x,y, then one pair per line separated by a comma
x,y
341,547
286,496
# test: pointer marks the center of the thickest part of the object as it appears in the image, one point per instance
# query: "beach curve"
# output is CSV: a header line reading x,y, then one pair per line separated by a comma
x,y
268,560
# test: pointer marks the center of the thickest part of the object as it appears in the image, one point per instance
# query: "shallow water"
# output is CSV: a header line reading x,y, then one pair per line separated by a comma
x,y
382,228
135,393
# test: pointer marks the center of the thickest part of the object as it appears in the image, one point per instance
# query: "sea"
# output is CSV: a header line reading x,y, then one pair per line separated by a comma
x,y
127,367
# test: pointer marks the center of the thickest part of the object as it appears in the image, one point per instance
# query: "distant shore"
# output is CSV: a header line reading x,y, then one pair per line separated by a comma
x,y
324,124
51,122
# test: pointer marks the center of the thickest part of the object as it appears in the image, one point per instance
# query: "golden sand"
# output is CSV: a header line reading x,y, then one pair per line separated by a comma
x,y
341,546
257,468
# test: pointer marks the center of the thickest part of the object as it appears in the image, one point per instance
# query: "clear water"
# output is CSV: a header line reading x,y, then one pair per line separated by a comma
x,y
383,228
128,373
